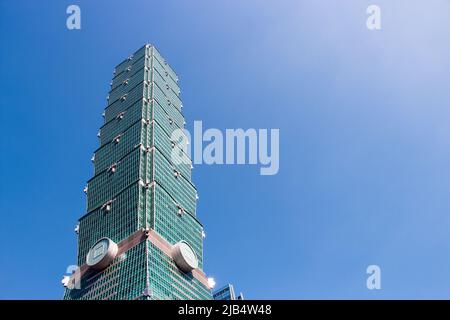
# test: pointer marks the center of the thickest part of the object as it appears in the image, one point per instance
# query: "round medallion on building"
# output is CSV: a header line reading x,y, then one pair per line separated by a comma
x,y
184,256
101,254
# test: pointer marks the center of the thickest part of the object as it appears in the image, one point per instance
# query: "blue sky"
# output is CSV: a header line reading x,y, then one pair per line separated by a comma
x,y
364,119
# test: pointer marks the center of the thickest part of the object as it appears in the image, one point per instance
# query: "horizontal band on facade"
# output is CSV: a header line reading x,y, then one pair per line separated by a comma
x,y
162,244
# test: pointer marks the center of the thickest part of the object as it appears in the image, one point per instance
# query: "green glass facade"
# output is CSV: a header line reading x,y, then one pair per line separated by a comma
x,y
136,186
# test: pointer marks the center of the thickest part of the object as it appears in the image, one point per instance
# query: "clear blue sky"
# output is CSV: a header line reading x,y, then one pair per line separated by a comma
x,y
364,120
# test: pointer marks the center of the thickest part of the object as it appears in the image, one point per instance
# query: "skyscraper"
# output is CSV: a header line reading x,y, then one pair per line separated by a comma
x,y
227,293
140,237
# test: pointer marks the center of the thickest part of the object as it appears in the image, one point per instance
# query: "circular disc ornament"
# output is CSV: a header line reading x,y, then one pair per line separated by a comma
x,y
184,256
101,254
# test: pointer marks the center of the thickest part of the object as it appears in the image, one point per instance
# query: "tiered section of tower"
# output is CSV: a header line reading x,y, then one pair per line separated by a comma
x,y
138,197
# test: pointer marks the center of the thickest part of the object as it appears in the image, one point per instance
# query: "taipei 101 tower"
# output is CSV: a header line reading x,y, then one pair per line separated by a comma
x,y
140,237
